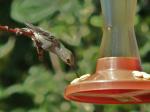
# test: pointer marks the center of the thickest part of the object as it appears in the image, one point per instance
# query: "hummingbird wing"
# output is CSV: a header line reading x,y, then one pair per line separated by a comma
x,y
47,36
37,29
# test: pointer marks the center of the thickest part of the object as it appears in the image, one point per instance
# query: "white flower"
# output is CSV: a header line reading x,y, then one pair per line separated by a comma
x,y
137,74
146,75
75,81
83,77
143,75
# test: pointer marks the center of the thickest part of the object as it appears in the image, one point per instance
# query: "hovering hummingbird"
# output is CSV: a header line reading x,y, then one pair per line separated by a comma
x,y
50,43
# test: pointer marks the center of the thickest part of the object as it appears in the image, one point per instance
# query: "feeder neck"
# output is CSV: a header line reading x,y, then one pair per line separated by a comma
x,y
118,63
118,12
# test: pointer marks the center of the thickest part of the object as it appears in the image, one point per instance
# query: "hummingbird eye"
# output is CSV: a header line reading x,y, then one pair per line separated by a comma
x,y
68,61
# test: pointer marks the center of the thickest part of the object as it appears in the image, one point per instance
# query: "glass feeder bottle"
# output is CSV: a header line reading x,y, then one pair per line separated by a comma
x,y
118,31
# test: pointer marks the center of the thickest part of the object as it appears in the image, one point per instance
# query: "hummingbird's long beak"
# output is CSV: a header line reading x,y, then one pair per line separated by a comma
x,y
74,67
76,72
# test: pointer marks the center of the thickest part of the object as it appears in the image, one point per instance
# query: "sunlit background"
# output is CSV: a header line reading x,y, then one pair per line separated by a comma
x,y
28,85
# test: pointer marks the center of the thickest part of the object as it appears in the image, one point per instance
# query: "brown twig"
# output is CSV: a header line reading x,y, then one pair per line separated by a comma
x,y
17,31
29,33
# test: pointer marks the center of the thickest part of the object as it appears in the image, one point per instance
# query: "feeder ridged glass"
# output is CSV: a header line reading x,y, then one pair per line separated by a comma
x,y
113,82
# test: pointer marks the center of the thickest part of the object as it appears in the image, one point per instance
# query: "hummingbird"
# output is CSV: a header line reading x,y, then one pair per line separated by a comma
x,y
44,40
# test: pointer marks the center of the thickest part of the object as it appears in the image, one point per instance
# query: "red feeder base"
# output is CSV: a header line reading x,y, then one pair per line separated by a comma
x,y
115,85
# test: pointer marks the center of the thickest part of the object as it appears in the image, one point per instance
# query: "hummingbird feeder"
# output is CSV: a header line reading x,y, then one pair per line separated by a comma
x,y
114,81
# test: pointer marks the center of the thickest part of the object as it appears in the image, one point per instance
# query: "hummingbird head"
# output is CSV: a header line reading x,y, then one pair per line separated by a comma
x,y
70,60
65,55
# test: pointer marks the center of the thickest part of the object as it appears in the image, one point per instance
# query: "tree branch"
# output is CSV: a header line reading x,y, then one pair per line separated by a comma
x,y
17,31
26,32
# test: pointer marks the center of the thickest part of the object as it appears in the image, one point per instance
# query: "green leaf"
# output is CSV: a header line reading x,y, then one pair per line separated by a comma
x,y
69,34
7,48
33,10
146,67
88,62
39,81
96,21
19,110
145,49
17,88
5,51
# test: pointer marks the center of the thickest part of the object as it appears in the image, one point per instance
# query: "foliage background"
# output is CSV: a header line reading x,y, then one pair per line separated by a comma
x,y
27,85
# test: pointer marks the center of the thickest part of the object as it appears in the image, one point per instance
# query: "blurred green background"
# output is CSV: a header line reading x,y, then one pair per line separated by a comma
x,y
28,85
